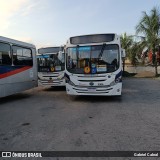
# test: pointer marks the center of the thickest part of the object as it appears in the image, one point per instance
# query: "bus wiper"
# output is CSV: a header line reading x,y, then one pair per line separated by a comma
x,y
102,49
77,53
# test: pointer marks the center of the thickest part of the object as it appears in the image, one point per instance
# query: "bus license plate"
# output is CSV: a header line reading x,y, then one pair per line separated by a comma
x,y
91,89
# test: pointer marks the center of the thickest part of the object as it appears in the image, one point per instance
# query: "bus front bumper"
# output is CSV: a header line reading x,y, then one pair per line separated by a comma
x,y
51,83
114,90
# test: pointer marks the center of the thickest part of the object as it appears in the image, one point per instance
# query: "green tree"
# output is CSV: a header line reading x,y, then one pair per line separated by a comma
x,y
149,27
135,51
126,43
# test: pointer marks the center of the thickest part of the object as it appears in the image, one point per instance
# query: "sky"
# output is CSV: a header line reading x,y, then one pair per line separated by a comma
x,y
51,22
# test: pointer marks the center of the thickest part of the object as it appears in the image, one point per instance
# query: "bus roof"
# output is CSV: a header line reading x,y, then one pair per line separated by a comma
x,y
50,50
13,41
92,38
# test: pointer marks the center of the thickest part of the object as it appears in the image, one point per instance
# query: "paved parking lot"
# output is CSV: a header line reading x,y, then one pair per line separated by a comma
x,y
47,119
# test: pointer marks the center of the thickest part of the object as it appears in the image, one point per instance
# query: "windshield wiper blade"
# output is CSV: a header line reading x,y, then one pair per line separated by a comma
x,y
102,49
77,52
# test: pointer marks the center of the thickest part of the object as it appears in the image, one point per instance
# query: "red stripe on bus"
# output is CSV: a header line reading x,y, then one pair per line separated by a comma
x,y
4,75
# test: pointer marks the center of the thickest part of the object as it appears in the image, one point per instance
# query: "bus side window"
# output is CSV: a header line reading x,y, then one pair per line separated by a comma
x,y
22,56
5,57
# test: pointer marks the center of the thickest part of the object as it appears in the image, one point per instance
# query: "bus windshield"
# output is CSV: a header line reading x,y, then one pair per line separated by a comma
x,y
93,59
51,62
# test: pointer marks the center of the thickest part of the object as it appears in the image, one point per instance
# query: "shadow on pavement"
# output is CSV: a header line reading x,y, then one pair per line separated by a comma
x,y
15,97
55,88
94,99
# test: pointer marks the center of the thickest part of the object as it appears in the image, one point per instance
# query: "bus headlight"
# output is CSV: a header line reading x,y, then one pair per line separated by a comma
x,y
112,83
67,78
118,77
61,76
71,83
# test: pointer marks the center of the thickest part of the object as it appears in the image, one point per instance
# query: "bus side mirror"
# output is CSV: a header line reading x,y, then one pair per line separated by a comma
x,y
123,53
38,51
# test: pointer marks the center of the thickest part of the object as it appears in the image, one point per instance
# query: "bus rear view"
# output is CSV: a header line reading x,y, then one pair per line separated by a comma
x,y
94,65
51,66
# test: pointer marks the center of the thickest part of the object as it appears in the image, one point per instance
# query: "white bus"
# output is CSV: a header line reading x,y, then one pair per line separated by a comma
x,y
51,66
94,65
18,66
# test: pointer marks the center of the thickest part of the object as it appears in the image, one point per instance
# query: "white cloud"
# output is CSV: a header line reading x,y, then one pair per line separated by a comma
x,y
9,8
23,39
40,45
29,9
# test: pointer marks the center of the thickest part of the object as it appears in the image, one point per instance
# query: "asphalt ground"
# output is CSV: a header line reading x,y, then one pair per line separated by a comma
x,y
47,119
